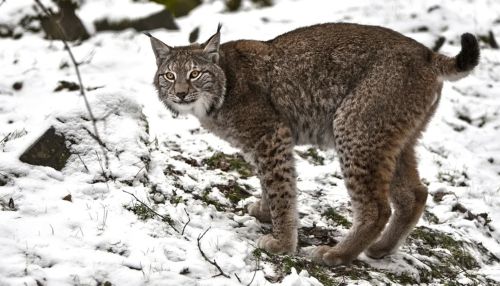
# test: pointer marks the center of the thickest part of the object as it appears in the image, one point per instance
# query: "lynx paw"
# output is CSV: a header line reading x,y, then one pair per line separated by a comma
x,y
256,210
377,251
330,256
275,246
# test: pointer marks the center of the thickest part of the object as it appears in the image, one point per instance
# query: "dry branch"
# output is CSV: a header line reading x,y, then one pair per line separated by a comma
x,y
51,16
189,220
255,272
214,263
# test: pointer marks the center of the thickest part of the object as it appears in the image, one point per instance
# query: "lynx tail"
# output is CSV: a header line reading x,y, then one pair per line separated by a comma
x,y
460,66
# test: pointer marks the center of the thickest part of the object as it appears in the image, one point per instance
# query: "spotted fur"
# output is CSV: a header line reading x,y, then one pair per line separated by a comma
x,y
366,91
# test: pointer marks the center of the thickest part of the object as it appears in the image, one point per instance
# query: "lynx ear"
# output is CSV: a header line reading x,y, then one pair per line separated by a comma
x,y
211,47
160,49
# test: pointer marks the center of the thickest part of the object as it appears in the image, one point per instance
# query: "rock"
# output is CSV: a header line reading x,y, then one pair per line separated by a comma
x,y
18,85
7,31
68,198
7,206
180,8
3,180
71,25
193,36
68,85
438,44
263,3
162,19
233,5
49,150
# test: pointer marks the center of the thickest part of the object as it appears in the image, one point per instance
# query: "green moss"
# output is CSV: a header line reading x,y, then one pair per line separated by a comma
x,y
403,278
234,191
236,194
175,200
445,257
257,253
209,201
430,217
325,278
288,263
312,156
320,272
170,170
227,163
327,275
451,254
141,211
339,219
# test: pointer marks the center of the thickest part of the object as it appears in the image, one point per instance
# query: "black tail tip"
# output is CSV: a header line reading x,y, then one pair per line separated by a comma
x,y
468,57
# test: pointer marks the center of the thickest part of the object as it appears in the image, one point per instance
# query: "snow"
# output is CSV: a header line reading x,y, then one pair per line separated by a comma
x,y
45,240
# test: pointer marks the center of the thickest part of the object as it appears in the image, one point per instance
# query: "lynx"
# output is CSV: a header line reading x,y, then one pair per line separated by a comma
x,y
366,91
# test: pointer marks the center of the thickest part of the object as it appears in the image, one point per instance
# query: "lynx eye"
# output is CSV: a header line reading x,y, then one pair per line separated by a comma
x,y
194,74
169,76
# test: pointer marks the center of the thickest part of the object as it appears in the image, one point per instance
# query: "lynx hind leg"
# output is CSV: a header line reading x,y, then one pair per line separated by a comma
x,y
407,194
370,129
368,159
275,164
408,197
368,188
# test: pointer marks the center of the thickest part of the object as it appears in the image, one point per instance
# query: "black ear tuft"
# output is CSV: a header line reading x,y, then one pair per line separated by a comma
x,y
211,47
160,49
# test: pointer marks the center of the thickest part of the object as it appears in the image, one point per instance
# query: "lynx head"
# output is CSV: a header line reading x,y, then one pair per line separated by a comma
x,y
189,78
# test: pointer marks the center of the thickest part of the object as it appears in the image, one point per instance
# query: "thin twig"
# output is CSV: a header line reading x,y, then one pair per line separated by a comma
x,y
104,174
75,64
255,272
5,139
189,220
138,172
96,138
214,263
84,165
163,218
87,59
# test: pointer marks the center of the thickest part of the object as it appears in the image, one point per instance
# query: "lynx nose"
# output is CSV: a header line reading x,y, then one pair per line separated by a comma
x,y
181,94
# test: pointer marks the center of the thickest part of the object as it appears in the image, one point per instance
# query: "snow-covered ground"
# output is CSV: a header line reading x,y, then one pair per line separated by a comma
x,y
103,235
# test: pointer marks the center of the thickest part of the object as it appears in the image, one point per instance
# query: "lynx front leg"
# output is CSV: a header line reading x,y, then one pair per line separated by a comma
x,y
260,209
274,156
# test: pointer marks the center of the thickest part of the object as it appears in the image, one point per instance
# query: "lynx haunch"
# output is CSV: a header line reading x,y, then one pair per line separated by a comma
x,y
366,91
